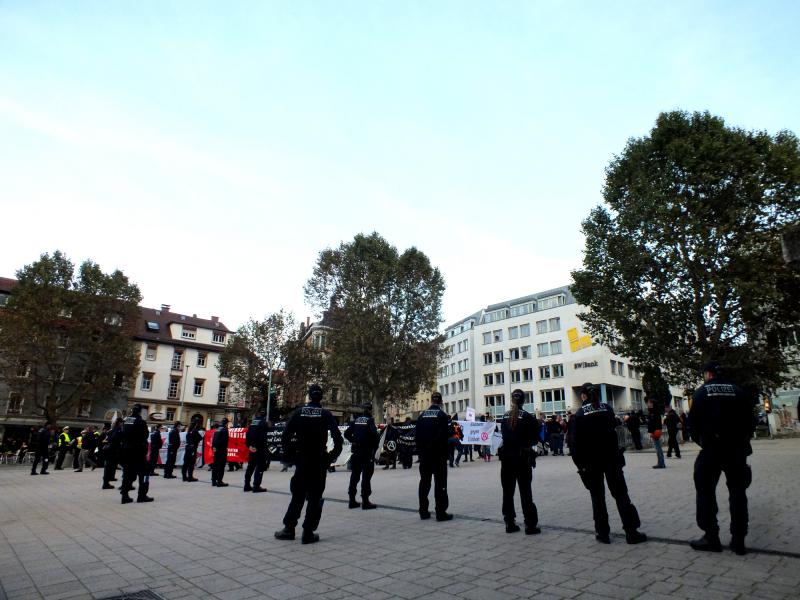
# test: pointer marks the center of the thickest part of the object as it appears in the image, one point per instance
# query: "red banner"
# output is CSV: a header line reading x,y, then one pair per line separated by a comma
x,y
237,448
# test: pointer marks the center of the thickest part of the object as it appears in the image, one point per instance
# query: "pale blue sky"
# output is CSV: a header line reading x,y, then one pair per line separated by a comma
x,y
210,150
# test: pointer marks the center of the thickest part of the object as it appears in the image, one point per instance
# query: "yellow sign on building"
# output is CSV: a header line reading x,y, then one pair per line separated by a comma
x,y
577,341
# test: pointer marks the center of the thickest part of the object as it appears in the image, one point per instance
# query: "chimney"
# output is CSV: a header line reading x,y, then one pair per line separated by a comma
x,y
165,307
308,322
194,316
214,318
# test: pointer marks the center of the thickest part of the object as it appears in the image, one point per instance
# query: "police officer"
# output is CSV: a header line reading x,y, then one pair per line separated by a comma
x,y
112,447
155,449
722,423
305,444
597,455
256,440
219,445
173,444
433,430
363,437
193,439
134,457
42,449
520,431
63,445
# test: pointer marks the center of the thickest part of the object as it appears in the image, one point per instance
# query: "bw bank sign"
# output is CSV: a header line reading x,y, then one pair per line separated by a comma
x,y
586,364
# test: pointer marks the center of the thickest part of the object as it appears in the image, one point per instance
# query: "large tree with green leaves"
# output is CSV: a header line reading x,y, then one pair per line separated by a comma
x,y
684,264
254,353
305,364
67,337
384,309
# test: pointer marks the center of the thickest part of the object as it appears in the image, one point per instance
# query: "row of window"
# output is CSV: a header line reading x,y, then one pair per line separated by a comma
x,y
174,388
462,385
521,331
15,402
551,400
526,308
453,368
177,357
523,353
618,368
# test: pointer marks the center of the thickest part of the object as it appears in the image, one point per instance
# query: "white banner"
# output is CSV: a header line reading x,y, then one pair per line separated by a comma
x,y
162,454
346,449
477,433
470,414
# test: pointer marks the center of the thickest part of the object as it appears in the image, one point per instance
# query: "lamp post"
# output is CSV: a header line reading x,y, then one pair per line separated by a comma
x,y
185,383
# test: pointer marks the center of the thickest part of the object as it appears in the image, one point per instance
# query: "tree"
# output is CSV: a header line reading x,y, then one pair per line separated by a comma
x,y
67,339
684,264
384,310
256,351
305,364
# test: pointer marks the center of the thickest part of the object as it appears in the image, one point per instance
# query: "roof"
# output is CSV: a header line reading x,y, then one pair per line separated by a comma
x,y
7,284
165,318
474,316
530,298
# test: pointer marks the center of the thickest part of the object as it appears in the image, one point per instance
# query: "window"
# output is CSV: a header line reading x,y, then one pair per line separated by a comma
x,y
525,330
522,309
151,352
84,408
495,400
515,376
555,324
152,326
497,335
555,347
525,352
113,319
558,370
527,374
513,333
631,371
199,384
543,349
170,414
622,369
613,367
320,341
174,387
544,372
499,378
3,299
498,356
487,358
460,385
636,400
466,385
177,360
65,312
222,394
527,397
218,337
14,404
24,369
488,379
453,387
201,359
63,340
553,401
466,364
487,338
147,382
189,333
541,326
552,302
466,345
513,354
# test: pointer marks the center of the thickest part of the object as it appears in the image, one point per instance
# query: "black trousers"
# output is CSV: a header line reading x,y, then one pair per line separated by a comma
x,y
110,467
708,467
133,468
636,435
172,456
307,485
611,473
433,466
256,464
62,452
76,453
672,444
512,472
189,458
153,462
43,456
218,466
406,458
362,467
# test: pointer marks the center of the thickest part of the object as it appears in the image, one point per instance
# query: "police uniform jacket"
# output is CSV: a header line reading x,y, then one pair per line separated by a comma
x,y
363,434
722,417
155,441
174,439
595,436
522,437
306,435
433,431
43,440
220,440
672,421
134,437
193,437
256,436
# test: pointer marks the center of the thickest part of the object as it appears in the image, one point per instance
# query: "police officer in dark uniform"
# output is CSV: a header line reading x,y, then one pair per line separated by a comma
x,y
256,440
520,431
134,456
173,444
193,439
722,423
112,446
155,449
305,444
42,450
433,430
219,445
598,457
364,438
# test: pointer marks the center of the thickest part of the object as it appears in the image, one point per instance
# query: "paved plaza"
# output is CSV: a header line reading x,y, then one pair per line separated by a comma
x,y
62,537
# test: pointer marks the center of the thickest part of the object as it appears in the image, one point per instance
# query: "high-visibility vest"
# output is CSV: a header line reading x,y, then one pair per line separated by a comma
x,y
63,439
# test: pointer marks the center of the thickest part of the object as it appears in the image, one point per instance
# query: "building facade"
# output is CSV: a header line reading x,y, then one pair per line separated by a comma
x,y
535,343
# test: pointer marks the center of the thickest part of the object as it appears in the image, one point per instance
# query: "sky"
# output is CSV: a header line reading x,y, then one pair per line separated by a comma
x,y
211,150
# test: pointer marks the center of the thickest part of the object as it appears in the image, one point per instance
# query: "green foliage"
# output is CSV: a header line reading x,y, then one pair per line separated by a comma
x,y
684,264
384,310
305,365
71,336
256,349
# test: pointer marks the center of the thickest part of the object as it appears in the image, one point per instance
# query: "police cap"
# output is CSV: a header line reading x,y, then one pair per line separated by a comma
x,y
315,392
712,367
436,398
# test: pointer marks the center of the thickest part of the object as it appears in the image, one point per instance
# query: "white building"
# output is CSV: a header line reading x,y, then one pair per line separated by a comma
x,y
536,344
178,374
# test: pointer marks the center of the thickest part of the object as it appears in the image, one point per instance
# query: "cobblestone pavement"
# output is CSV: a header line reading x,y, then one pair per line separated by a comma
x,y
62,537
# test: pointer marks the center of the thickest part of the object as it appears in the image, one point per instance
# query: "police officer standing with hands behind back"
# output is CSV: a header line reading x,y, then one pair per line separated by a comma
x,y
598,457
305,442
256,440
193,439
433,431
173,444
722,423
363,435
134,456
219,446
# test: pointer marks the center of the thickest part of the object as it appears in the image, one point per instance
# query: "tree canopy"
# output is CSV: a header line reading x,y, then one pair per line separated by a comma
x,y
67,338
384,311
684,263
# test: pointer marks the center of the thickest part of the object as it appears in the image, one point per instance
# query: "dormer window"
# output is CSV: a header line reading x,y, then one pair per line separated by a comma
x,y
152,326
189,333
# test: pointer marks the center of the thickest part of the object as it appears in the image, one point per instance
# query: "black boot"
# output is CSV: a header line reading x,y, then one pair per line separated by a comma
x,y
707,543
737,545
284,534
247,487
309,537
512,527
108,486
635,537
367,505
259,489
532,529
353,503
126,499
603,538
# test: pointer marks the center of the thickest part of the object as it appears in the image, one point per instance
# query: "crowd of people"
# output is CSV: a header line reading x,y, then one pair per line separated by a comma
x,y
721,420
